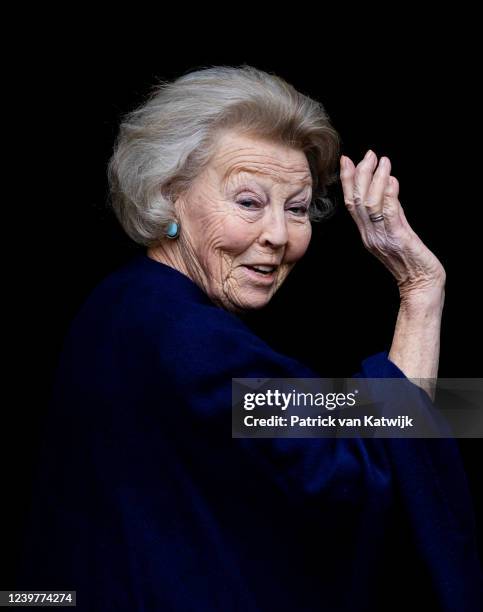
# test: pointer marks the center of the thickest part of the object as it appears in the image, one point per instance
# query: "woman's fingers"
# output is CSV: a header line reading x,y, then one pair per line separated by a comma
x,y
374,202
374,198
395,221
347,174
393,201
364,194
369,192
362,181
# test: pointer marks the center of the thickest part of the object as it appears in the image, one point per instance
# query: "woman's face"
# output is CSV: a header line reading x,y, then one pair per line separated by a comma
x,y
248,208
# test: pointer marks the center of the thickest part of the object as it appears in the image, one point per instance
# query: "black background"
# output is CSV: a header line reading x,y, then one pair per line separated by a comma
x,y
338,306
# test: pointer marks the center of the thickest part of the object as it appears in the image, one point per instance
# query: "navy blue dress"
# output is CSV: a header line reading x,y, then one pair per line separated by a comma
x,y
144,502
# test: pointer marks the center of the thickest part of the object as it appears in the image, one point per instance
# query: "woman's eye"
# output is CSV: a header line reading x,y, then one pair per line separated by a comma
x,y
299,210
248,203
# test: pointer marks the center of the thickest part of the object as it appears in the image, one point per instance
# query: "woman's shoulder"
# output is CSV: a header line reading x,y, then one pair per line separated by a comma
x,y
146,297
140,292
166,311
156,297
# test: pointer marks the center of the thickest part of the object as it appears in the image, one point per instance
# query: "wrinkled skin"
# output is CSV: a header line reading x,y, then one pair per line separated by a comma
x,y
249,206
367,191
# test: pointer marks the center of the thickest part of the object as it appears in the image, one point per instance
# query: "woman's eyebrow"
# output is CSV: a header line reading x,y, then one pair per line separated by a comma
x,y
232,173
260,174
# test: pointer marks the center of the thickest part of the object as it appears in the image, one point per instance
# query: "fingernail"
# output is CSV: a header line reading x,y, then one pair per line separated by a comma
x,y
369,155
342,161
383,162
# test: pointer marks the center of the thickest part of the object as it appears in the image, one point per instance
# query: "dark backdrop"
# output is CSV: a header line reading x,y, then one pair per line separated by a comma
x,y
338,306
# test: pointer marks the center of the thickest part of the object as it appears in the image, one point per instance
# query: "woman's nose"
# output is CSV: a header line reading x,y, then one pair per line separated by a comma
x,y
275,231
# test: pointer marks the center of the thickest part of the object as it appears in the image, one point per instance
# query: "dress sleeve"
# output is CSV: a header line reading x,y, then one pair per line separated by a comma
x,y
200,358
431,478
337,472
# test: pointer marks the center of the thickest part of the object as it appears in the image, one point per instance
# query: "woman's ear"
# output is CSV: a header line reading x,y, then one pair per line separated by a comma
x,y
180,205
169,195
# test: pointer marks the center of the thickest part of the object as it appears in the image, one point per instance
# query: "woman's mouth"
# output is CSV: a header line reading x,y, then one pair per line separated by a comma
x,y
264,275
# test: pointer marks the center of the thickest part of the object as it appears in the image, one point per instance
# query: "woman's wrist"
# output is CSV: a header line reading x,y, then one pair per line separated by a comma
x,y
426,302
425,294
416,341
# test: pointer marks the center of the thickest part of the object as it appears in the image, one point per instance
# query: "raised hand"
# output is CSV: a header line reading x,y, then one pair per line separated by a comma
x,y
371,197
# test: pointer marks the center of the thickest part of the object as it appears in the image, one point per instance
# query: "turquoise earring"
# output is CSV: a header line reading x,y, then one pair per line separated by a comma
x,y
173,230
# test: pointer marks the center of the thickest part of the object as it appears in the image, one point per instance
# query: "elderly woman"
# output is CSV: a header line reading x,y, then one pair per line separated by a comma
x,y
144,501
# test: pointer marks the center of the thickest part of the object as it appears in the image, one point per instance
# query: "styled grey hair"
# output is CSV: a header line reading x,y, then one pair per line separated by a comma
x,y
166,142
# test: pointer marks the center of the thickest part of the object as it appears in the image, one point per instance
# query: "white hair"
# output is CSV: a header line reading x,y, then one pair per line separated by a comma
x,y
164,144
